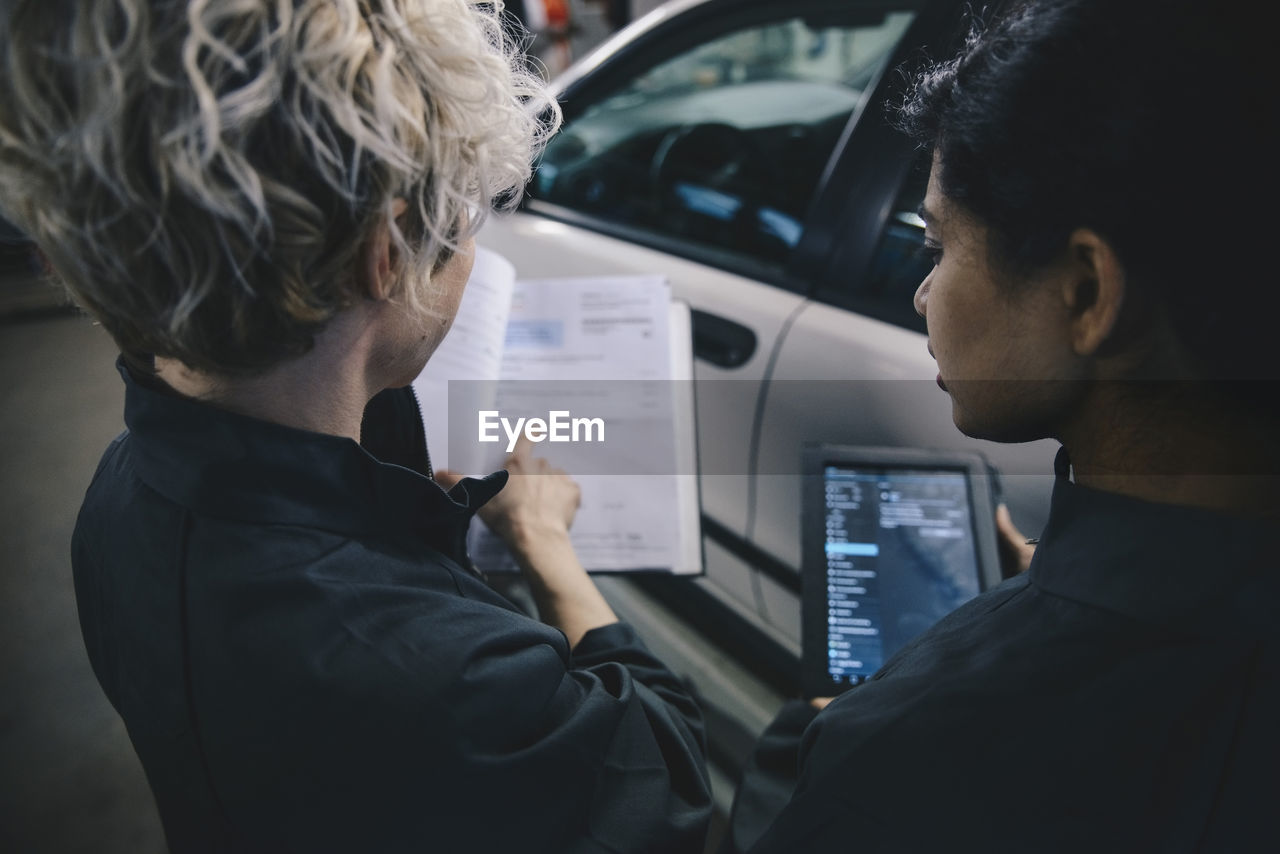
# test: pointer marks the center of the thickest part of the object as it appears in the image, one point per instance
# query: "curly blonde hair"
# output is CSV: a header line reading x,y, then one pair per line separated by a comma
x,y
202,174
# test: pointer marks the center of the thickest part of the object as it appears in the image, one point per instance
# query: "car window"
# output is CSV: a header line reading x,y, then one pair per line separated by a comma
x,y
722,145
899,264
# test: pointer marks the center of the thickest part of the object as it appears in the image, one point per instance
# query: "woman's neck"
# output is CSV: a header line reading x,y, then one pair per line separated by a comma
x,y
1180,444
323,391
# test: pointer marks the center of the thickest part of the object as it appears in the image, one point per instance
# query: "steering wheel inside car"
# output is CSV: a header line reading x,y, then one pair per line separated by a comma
x,y
714,155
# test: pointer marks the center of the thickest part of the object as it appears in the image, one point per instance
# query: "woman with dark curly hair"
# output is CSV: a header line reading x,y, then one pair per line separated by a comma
x,y
1099,208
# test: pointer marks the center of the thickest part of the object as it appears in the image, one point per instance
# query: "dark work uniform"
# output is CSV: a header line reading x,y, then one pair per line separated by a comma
x,y
1121,695
305,663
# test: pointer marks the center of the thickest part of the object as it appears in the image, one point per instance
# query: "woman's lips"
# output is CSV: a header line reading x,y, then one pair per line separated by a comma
x,y
941,384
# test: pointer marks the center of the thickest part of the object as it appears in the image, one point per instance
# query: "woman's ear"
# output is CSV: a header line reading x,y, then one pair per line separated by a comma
x,y
1094,291
375,268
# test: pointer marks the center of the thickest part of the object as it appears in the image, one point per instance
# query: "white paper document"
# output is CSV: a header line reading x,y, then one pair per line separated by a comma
x,y
601,369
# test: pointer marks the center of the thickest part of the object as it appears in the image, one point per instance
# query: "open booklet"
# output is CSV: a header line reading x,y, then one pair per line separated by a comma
x,y
597,372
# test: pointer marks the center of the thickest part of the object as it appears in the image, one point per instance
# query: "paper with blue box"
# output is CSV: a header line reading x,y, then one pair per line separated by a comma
x,y
597,372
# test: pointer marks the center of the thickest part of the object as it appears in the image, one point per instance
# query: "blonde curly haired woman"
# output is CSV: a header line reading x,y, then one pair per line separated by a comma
x,y
270,207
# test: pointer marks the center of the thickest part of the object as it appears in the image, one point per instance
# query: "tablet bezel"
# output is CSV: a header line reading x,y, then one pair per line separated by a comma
x,y
815,680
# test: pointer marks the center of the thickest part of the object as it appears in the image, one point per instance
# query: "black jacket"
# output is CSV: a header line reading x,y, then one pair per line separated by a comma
x,y
305,662
1121,695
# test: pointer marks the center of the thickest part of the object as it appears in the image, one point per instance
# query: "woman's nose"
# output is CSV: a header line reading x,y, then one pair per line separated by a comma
x,y
922,295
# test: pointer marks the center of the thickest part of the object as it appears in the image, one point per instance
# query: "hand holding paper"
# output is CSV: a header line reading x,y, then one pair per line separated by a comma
x,y
538,501
597,372
532,514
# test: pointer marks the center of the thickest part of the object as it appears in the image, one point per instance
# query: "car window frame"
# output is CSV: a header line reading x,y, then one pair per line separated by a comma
x,y
843,242
687,29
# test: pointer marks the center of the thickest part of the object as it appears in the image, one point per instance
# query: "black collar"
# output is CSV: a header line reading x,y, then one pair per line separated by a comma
x,y
230,466
1201,571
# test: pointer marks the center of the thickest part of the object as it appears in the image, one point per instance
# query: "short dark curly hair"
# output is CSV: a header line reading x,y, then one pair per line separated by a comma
x,y
1148,121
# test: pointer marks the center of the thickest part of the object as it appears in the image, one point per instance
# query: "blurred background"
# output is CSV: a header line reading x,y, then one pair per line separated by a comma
x,y
69,780
566,30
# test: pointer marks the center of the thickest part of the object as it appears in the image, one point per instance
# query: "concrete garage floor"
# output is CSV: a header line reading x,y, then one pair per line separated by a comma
x,y
69,780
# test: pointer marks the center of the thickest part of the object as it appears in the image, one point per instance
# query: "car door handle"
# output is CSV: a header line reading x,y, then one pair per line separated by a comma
x,y
721,341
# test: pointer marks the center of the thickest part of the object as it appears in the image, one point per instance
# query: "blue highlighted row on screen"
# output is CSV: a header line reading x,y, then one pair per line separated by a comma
x,y
857,549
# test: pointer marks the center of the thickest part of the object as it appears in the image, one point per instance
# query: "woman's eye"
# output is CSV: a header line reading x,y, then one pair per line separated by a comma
x,y
930,251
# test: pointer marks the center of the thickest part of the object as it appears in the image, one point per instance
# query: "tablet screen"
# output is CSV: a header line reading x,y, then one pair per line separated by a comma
x,y
899,554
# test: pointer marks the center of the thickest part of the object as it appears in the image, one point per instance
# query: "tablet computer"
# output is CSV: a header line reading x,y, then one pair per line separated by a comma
x,y
893,540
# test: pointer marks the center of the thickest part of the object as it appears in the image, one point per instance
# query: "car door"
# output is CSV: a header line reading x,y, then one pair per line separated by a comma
x,y
694,145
